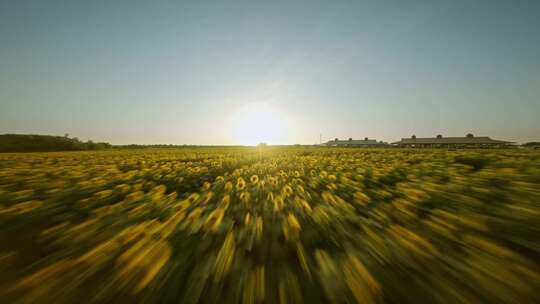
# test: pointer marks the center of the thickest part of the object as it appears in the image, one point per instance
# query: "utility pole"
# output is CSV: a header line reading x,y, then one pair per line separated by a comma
x,y
320,139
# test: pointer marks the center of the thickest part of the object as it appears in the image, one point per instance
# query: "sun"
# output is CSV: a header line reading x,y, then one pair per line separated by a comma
x,y
256,123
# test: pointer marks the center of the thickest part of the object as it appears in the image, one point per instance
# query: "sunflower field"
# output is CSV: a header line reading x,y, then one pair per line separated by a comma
x,y
270,225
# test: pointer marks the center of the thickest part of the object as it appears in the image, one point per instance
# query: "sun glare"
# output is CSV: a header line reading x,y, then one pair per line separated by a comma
x,y
257,123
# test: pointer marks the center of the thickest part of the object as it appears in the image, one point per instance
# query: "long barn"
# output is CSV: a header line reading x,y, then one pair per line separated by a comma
x,y
469,141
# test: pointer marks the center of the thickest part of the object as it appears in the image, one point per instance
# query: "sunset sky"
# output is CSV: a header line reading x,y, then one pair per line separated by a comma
x,y
282,72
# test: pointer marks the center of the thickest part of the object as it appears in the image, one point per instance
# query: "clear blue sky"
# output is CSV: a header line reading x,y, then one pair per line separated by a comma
x,y
182,71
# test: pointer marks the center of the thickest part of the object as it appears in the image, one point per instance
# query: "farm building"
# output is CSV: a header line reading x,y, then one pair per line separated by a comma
x,y
366,142
468,141
532,145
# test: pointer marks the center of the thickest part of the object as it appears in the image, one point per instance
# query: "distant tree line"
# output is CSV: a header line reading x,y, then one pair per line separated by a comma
x,y
137,146
46,143
533,144
169,146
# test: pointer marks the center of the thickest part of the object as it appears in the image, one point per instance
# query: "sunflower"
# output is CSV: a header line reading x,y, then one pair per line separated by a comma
x,y
228,186
240,184
287,191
